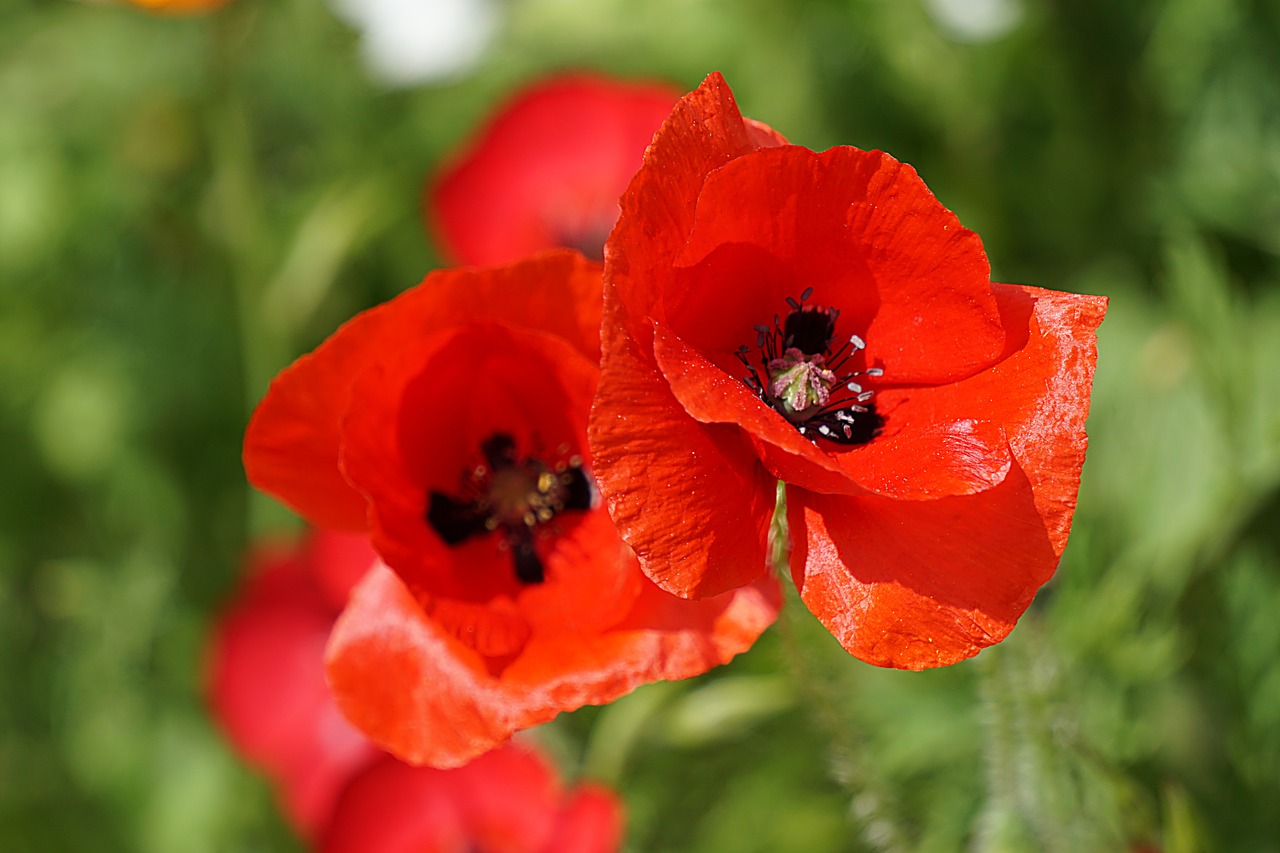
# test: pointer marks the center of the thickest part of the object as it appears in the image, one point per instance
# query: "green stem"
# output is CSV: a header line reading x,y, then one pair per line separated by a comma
x,y
1033,767
869,807
237,220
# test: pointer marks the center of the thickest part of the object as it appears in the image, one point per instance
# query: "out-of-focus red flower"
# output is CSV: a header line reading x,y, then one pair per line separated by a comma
x,y
547,170
450,424
266,679
820,318
267,689
506,801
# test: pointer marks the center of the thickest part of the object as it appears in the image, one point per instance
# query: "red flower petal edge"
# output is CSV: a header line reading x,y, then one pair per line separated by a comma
x,y
292,443
266,681
820,318
507,801
409,683
456,416
547,170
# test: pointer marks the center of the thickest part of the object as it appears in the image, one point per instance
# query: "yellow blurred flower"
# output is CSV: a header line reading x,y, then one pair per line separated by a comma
x,y
178,7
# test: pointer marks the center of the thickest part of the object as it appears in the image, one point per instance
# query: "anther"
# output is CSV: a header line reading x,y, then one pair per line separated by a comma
x,y
800,376
514,497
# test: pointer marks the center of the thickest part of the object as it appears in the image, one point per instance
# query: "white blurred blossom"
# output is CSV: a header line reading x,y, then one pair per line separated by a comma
x,y
976,20
414,41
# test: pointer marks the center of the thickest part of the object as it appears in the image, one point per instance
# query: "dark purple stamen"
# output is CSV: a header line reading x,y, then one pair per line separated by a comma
x,y
801,378
513,498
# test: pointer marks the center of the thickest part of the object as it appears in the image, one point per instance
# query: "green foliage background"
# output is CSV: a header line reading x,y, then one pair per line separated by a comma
x,y
186,204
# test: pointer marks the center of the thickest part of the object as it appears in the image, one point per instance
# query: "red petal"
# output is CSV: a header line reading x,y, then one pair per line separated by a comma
x,y
865,232
407,684
432,700
394,808
951,439
416,425
703,132
919,584
925,460
592,579
691,499
337,561
267,688
1040,393
548,170
506,801
664,638
590,823
292,443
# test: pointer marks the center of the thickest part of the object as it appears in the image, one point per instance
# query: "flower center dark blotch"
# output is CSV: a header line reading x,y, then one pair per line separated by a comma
x,y
801,378
514,498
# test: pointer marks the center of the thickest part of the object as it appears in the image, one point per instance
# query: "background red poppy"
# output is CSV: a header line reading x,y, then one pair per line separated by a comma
x,y
507,801
546,170
267,689
266,679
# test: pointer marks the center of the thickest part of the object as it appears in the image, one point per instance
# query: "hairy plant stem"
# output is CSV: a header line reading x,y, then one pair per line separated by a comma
x,y
1032,760
870,809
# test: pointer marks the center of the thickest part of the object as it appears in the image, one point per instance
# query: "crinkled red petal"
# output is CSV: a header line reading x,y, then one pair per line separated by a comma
x,y
407,684
1038,393
866,233
510,799
1036,399
703,132
919,584
918,459
664,638
690,498
292,444
430,699
548,170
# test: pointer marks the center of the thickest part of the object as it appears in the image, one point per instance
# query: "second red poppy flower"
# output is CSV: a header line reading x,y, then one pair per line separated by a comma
x,y
450,424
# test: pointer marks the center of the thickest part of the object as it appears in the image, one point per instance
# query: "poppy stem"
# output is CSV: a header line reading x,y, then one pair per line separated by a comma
x,y
1039,773
869,806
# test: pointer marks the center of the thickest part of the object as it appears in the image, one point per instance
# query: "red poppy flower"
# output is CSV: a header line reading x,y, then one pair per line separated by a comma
x,y
820,318
548,170
507,801
266,678
450,423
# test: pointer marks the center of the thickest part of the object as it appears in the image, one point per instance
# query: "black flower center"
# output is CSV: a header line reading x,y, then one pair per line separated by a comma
x,y
804,380
512,497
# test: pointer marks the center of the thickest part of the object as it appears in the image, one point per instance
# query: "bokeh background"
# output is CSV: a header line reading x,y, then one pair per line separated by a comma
x,y
186,203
